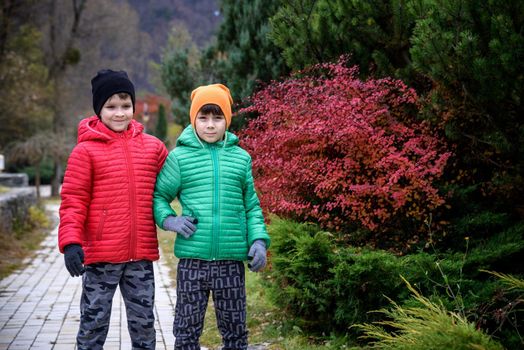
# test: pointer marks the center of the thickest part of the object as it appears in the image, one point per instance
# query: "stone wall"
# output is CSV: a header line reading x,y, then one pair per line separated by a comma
x,y
14,180
15,202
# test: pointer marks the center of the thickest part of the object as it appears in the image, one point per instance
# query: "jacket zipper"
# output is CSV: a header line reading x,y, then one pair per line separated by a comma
x,y
216,204
132,200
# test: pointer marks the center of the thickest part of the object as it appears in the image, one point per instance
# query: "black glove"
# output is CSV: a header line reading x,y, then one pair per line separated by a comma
x,y
74,258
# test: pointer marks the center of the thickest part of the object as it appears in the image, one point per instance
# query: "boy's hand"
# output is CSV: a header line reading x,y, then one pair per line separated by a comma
x,y
185,225
74,258
257,256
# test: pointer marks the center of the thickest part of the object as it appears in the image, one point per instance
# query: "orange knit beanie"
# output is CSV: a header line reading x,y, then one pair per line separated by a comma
x,y
217,94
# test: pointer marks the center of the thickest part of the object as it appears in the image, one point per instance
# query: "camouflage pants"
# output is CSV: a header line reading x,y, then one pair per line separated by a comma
x,y
137,286
195,280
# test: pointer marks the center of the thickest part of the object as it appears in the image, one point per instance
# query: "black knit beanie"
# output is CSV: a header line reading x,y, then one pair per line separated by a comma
x,y
108,82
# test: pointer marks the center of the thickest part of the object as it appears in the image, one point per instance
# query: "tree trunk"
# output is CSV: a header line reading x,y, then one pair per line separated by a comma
x,y
59,126
57,69
37,182
57,180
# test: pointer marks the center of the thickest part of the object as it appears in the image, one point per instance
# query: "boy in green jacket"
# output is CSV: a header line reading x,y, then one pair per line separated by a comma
x,y
221,223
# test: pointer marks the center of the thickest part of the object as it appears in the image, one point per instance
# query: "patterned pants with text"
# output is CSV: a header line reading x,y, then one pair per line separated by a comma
x,y
137,286
195,280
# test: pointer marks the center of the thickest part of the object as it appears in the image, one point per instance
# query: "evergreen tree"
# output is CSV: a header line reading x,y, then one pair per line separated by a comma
x,y
242,58
244,55
161,123
23,86
473,51
376,34
180,71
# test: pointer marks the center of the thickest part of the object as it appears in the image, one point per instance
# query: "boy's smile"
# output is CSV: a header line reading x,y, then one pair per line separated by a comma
x,y
117,112
210,127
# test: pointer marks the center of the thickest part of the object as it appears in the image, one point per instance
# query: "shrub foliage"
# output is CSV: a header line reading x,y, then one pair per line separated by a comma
x,y
429,325
331,148
324,286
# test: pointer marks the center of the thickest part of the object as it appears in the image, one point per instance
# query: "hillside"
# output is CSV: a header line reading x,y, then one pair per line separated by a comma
x,y
156,17
201,17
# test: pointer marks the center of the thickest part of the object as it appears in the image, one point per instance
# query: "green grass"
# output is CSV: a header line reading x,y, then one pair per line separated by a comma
x,y
173,131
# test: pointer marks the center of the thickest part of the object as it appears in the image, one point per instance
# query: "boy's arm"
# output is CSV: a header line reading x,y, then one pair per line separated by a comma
x,y
166,189
162,155
256,229
76,196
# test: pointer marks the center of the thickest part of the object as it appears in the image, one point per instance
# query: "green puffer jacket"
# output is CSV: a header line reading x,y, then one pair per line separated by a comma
x,y
213,183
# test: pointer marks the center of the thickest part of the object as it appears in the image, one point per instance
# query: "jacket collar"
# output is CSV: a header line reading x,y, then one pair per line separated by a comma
x,y
189,138
92,128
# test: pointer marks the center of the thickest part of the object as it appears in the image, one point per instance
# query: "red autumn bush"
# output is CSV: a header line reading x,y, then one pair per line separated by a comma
x,y
330,148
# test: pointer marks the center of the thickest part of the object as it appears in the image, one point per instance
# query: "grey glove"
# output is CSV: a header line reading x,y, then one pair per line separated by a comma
x,y
74,259
185,225
257,256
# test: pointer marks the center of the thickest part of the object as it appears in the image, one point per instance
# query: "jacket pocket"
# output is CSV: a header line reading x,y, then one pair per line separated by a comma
x,y
243,224
100,228
189,212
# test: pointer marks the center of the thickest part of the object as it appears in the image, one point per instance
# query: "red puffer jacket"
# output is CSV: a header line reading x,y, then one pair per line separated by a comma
x,y
107,194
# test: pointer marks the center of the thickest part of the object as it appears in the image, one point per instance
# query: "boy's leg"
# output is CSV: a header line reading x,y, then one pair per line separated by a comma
x,y
229,296
99,283
137,286
192,295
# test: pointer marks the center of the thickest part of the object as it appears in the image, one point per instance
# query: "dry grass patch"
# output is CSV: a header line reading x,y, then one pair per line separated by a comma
x,y
25,239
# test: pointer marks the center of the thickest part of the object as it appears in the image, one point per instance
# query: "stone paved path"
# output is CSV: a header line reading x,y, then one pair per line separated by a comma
x,y
39,306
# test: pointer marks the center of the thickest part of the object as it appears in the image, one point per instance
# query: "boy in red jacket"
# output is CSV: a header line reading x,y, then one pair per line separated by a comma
x,y
107,232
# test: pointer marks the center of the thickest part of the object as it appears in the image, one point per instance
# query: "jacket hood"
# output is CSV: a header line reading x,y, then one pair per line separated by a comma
x,y
92,129
189,138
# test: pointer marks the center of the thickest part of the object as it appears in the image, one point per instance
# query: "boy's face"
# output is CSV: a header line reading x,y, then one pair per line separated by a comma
x,y
210,127
117,112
